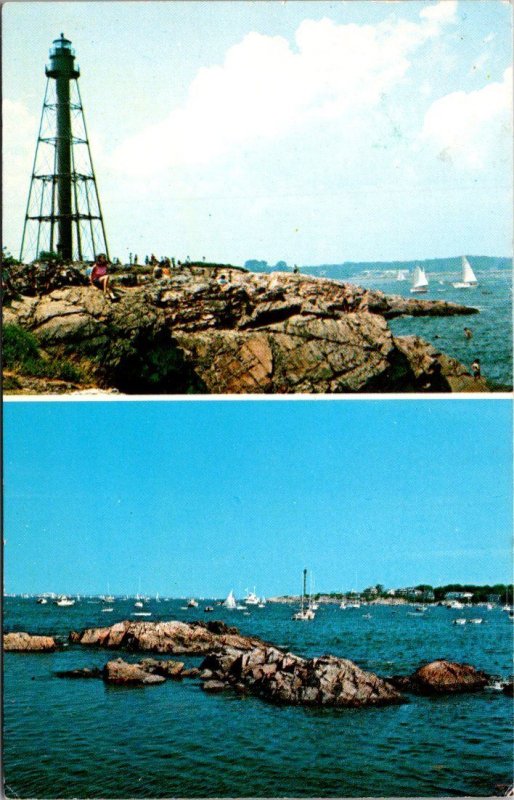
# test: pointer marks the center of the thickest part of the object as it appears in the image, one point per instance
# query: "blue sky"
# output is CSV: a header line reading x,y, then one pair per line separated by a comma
x,y
200,497
315,132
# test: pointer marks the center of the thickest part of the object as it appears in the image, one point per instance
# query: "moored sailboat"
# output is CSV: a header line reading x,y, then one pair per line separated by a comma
x,y
306,612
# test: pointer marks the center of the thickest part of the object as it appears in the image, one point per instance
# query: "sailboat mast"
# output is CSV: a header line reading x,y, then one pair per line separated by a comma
x,y
304,592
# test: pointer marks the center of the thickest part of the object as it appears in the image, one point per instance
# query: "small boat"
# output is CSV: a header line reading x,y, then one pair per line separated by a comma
x,y
192,603
419,281
402,274
251,598
108,608
455,604
64,601
141,614
42,601
230,602
107,598
366,616
138,604
305,612
459,621
468,279
239,607
208,609
476,620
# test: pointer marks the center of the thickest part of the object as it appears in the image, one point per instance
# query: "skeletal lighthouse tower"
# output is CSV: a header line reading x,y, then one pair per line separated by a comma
x,y
63,208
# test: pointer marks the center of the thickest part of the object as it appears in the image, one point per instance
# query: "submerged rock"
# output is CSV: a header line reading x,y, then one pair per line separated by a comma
x,y
85,672
23,642
256,333
442,677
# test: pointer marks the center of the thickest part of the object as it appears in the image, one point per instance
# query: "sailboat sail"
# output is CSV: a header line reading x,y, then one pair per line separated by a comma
x,y
468,276
419,281
230,602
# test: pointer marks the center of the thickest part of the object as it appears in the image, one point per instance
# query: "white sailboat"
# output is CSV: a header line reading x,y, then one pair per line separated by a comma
x,y
402,274
230,602
468,278
305,613
419,281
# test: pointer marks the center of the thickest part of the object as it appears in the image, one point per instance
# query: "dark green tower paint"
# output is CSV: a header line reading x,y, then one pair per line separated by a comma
x,y
62,68
63,207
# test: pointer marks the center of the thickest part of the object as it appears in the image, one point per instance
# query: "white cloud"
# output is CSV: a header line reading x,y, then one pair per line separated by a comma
x,y
19,135
19,142
266,89
471,129
437,13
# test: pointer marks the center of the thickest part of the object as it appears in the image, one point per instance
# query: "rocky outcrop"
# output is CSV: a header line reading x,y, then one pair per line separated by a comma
x,y
197,332
164,637
442,677
122,672
279,677
247,665
240,663
119,672
23,642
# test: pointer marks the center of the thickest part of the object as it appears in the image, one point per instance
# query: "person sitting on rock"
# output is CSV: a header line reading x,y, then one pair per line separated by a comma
x,y
476,369
99,276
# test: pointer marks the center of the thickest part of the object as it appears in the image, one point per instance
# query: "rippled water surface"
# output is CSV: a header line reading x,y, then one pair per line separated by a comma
x,y
491,327
80,738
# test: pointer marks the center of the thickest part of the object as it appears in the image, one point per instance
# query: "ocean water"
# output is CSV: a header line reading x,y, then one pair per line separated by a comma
x,y
491,327
81,738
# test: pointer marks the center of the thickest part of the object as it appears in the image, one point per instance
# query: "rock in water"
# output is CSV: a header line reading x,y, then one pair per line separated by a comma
x,y
280,677
84,672
164,637
25,642
278,333
443,677
120,673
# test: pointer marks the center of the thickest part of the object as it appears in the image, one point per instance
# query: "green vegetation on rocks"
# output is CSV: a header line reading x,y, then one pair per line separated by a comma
x,y
21,353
